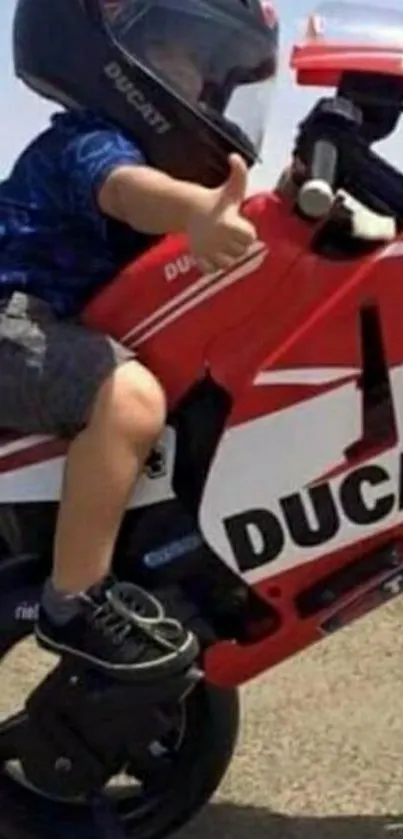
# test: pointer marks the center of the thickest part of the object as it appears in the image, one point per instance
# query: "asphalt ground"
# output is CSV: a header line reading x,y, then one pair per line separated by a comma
x,y
320,752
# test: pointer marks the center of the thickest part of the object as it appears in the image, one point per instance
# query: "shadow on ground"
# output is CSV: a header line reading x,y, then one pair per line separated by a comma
x,y
219,820
230,821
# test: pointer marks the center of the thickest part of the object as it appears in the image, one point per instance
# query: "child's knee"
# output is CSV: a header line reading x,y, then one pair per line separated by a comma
x,y
134,401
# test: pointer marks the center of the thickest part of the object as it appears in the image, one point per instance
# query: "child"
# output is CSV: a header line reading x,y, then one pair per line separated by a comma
x,y
130,157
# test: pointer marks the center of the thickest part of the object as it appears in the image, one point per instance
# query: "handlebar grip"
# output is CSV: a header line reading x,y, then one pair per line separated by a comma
x,y
316,196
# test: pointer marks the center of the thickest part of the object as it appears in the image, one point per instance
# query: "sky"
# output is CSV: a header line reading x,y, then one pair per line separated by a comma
x,y
24,114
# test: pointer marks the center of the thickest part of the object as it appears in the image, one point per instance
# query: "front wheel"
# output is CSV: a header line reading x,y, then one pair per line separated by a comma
x,y
205,748
151,800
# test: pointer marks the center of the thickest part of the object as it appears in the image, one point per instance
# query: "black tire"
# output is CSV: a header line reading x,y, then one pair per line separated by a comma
x,y
210,738
209,730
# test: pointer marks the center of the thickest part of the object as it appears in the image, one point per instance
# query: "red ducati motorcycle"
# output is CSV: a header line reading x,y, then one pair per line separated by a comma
x,y
270,514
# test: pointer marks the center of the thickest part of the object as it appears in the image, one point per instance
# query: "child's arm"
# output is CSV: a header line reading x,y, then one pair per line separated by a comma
x,y
150,201
153,202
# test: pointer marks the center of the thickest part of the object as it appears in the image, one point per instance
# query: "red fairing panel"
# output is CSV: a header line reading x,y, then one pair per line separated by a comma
x,y
290,350
173,316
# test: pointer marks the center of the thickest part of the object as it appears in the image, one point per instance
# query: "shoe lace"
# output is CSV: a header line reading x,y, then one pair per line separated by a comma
x,y
112,624
121,613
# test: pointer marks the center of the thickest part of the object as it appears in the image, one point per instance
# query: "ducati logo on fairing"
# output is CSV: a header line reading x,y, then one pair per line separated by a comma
x,y
282,492
366,496
180,267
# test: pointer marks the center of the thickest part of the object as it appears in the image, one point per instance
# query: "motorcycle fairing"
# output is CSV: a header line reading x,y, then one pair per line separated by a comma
x,y
293,379
284,376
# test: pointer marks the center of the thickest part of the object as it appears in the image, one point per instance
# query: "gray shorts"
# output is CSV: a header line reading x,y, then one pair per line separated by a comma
x,y
50,369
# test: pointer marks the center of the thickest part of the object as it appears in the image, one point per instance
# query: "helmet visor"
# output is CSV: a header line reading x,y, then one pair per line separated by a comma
x,y
217,62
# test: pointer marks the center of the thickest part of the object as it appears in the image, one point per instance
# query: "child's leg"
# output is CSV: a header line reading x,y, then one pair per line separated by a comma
x,y
104,462
57,377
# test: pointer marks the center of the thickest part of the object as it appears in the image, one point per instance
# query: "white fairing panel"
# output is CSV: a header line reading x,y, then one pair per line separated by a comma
x,y
267,468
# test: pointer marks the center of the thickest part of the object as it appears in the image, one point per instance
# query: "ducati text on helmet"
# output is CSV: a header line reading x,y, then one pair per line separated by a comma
x,y
136,98
187,81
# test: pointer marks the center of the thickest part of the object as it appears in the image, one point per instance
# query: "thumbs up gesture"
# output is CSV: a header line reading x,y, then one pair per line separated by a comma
x,y
219,234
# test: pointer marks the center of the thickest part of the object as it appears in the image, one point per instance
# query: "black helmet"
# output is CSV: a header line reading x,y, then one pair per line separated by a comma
x,y
167,72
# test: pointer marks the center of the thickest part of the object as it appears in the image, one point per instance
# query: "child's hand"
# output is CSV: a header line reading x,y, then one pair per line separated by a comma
x,y
219,234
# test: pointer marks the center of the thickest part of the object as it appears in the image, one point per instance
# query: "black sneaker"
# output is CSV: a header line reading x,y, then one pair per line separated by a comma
x,y
123,631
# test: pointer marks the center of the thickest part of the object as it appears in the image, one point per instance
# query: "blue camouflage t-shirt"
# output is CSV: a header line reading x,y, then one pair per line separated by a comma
x,y
54,241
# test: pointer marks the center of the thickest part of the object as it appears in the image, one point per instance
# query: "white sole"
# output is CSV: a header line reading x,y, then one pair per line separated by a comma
x,y
125,670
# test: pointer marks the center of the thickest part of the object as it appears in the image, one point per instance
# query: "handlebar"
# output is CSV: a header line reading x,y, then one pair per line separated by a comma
x,y
316,196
